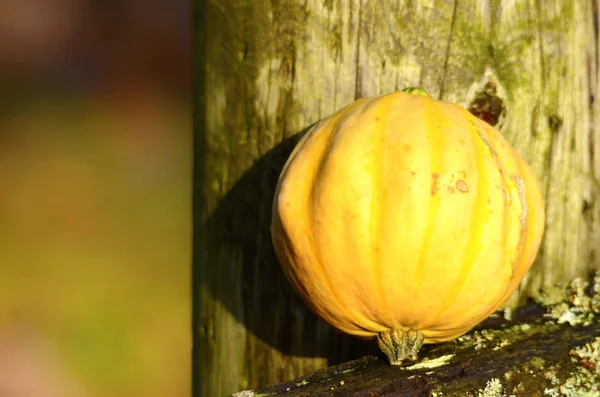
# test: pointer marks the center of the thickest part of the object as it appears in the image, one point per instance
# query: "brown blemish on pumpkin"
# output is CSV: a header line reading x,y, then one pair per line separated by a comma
x,y
451,189
462,186
434,187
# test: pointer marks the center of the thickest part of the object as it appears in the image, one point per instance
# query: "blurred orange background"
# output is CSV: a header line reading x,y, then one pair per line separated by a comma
x,y
95,198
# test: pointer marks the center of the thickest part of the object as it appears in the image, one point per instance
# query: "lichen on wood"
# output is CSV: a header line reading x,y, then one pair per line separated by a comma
x,y
532,354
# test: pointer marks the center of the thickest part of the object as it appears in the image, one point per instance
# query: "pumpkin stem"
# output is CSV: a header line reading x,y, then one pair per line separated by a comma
x,y
400,345
415,91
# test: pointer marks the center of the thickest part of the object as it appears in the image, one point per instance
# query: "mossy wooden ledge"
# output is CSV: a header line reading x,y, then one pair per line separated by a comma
x,y
529,355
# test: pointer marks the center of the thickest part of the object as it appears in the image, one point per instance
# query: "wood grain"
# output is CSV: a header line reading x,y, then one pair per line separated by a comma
x,y
266,70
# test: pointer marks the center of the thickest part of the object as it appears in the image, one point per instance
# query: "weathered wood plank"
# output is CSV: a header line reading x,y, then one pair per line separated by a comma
x,y
525,357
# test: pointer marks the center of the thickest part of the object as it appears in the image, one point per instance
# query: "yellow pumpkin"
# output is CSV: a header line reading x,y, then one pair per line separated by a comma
x,y
407,219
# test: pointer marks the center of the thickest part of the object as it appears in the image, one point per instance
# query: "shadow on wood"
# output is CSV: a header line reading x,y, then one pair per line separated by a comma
x,y
238,239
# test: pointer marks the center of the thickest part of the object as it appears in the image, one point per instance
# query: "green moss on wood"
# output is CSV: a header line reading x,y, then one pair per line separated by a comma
x,y
534,354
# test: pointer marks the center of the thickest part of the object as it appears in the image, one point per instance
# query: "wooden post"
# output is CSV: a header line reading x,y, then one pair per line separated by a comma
x,y
267,70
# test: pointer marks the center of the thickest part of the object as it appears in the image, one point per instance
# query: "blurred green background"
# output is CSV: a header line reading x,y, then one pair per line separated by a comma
x,y
95,198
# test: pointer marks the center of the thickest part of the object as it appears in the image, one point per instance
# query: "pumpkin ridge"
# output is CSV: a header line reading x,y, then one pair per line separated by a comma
x,y
436,145
377,213
314,246
521,194
521,268
336,126
299,148
505,188
516,262
330,130
478,219
324,128
491,142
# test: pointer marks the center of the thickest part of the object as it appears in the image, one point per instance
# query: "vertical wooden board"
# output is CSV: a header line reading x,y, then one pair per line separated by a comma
x,y
326,59
403,44
272,69
592,210
275,67
228,150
